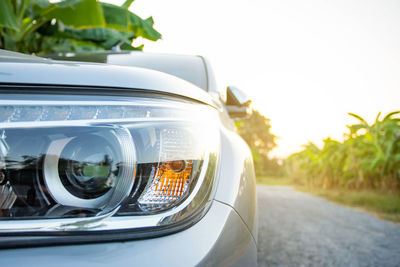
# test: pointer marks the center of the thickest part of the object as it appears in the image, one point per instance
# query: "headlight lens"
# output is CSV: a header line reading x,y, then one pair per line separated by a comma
x,y
103,163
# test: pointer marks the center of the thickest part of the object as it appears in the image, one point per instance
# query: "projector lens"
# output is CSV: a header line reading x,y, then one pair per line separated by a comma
x,y
88,166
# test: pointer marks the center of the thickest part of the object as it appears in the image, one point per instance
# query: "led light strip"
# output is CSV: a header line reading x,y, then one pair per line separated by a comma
x,y
10,114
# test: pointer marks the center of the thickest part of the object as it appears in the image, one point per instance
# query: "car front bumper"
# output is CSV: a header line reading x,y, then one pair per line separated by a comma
x,y
219,238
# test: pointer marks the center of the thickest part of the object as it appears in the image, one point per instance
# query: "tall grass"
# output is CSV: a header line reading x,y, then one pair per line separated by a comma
x,y
369,157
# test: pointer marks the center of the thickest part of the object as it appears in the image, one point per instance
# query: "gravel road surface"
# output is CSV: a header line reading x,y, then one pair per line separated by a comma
x,y
297,229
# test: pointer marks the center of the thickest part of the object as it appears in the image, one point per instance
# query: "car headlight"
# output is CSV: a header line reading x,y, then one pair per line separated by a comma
x,y
71,166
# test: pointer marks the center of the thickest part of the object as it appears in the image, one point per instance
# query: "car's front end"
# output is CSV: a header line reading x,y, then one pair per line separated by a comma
x,y
113,165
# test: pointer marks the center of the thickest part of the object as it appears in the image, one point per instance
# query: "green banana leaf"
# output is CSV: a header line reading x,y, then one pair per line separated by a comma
x,y
77,13
104,37
7,16
57,45
91,23
122,19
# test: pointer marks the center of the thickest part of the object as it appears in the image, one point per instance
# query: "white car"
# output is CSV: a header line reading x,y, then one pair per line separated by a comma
x,y
119,166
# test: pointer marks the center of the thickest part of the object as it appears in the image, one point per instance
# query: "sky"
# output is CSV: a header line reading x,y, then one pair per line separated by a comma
x,y
305,64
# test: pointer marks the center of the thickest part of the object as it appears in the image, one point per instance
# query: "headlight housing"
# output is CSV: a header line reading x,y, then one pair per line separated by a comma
x,y
75,166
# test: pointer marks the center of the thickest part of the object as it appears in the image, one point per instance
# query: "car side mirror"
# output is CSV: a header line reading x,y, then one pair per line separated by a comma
x,y
237,103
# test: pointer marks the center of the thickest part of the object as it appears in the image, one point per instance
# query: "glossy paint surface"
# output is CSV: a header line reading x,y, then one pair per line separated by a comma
x,y
15,70
187,67
237,183
209,242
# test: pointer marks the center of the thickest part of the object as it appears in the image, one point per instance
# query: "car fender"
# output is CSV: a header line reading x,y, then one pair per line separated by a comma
x,y
237,181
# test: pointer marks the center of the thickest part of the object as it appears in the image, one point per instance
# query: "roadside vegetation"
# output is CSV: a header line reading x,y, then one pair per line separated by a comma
x,y
362,171
40,26
368,158
256,132
274,180
383,205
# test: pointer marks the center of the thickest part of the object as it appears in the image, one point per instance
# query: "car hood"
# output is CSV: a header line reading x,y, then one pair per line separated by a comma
x,y
16,68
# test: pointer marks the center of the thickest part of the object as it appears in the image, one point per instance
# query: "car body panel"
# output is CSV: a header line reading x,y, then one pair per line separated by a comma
x,y
205,243
50,72
194,69
186,67
236,186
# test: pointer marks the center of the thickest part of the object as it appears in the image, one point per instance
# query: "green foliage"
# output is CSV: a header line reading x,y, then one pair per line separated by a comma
x,y
369,157
6,15
274,180
384,205
39,27
255,130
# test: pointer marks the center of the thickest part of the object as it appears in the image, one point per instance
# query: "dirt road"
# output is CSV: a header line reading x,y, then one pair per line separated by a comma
x,y
297,229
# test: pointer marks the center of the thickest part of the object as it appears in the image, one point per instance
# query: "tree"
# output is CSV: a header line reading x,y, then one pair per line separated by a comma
x,y
39,27
255,130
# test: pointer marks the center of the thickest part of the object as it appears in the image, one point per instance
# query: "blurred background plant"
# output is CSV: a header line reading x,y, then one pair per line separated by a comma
x,y
256,131
368,158
40,27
